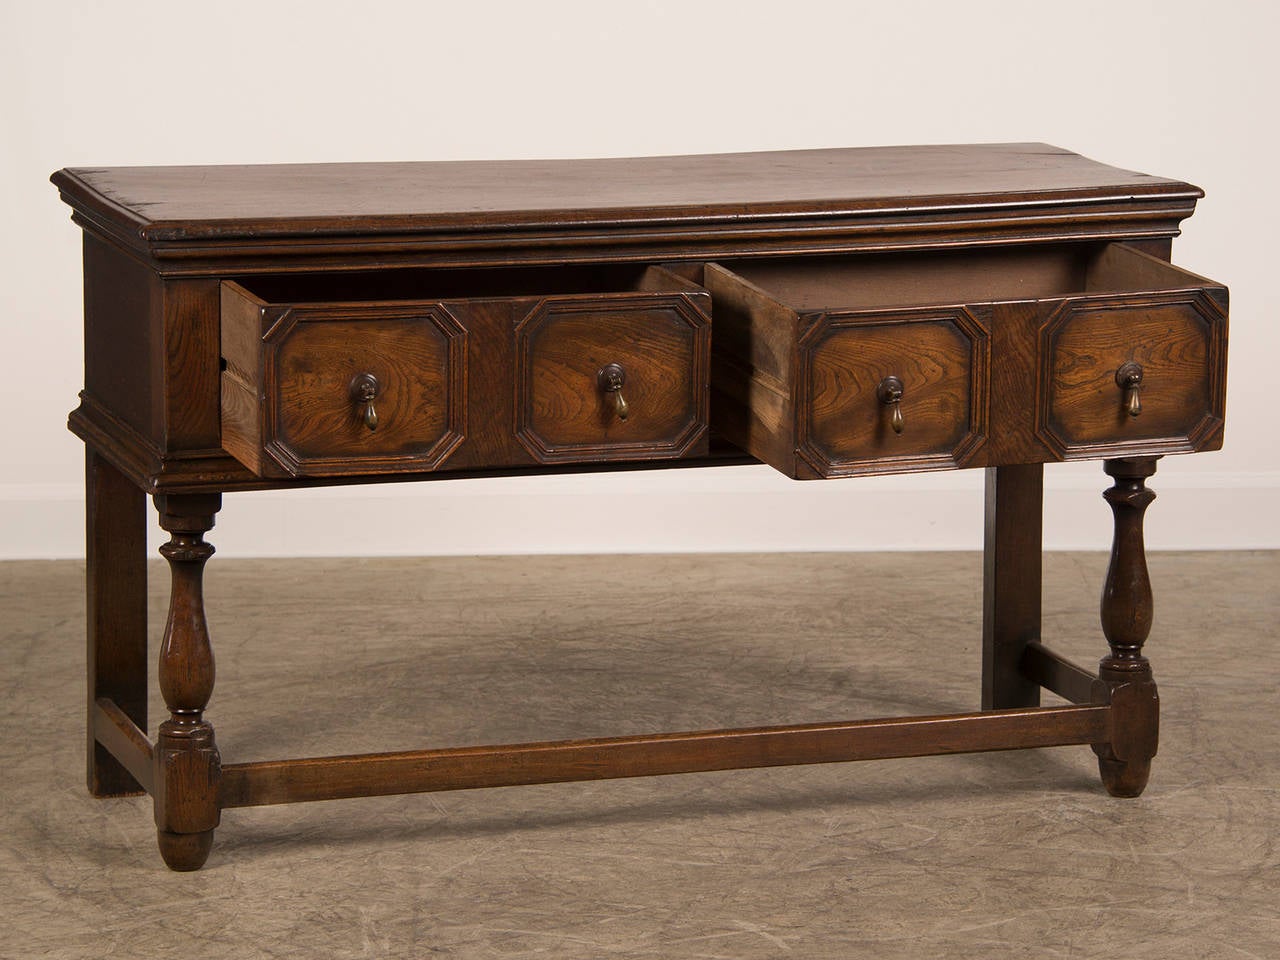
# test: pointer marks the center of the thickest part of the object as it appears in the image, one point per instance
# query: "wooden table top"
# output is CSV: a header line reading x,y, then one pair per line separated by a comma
x,y
309,200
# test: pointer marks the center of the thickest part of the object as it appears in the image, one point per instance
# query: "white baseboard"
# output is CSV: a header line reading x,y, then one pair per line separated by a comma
x,y
728,509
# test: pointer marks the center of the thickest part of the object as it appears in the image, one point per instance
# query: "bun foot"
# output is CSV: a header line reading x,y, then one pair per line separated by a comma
x,y
185,851
1124,778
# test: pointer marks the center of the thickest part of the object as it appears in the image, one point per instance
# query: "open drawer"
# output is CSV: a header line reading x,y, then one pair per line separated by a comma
x,y
413,370
832,367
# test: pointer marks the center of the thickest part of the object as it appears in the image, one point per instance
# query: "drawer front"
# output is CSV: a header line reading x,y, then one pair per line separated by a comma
x,y
978,358
1132,374
891,392
613,378
358,392
329,376
317,390
344,390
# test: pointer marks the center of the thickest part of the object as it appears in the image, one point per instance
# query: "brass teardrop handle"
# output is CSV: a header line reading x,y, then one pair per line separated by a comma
x,y
890,394
364,390
1129,379
611,379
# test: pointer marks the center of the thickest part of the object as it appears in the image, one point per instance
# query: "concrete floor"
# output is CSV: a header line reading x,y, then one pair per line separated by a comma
x,y
998,855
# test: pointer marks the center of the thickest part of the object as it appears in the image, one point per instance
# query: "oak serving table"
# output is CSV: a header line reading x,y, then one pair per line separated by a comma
x,y
831,313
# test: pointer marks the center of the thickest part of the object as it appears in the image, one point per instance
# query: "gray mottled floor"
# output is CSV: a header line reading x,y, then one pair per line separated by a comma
x,y
999,855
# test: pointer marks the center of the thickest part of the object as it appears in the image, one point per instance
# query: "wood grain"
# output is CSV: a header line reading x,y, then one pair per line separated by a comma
x,y
116,608
187,763
1012,594
814,374
463,768
118,734
229,309
418,358
349,225
123,340
819,284
1175,337
848,423
191,367
228,202
1040,369
562,412
1127,610
1045,668
226,221
522,369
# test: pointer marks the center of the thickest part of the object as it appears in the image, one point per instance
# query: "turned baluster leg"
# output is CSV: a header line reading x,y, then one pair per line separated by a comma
x,y
1125,762
186,758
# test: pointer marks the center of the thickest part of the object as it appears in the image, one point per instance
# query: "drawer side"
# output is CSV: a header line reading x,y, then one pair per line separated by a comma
x,y
240,392
753,369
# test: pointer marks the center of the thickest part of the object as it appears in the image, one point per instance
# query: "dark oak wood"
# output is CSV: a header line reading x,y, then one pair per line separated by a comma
x,y
829,312
976,198
1125,674
1044,668
802,345
499,379
288,401
294,200
116,612
1171,328
124,339
938,420
464,768
1011,575
186,757
127,744
661,347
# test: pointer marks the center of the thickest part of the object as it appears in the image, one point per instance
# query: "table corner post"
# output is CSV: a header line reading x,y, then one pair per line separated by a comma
x,y
1011,592
115,613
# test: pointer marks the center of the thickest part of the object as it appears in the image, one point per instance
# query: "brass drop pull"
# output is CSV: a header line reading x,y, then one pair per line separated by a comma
x,y
611,379
1129,379
364,390
890,394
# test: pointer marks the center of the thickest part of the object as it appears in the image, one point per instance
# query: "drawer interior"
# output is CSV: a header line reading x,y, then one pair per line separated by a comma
x,y
956,277
455,284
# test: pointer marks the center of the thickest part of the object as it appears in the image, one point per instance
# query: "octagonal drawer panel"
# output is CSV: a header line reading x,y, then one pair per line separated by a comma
x,y
891,391
1133,373
334,389
421,370
836,366
832,390
622,377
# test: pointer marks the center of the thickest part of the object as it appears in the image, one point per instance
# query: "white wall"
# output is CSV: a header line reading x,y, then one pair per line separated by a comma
x,y
1181,89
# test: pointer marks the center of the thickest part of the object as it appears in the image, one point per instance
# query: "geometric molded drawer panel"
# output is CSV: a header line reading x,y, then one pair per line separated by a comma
x,y
817,376
656,347
418,371
936,359
1132,375
833,367
338,389
417,362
